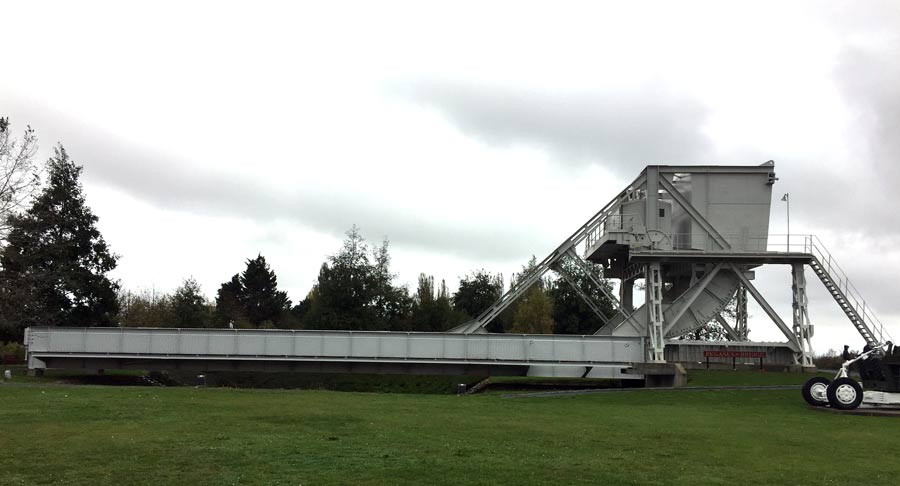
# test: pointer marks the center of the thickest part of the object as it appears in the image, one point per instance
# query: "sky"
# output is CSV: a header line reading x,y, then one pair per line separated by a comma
x,y
471,135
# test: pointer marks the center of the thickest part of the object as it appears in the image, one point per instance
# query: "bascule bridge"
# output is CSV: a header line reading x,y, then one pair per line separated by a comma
x,y
693,236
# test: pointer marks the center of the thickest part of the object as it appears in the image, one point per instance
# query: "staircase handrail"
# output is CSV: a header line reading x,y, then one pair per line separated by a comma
x,y
814,246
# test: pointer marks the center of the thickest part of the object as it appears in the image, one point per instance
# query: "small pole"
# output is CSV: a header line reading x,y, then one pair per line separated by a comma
x,y
733,363
787,198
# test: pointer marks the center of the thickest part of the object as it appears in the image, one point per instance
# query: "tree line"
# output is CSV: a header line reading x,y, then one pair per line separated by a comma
x,y
355,290
54,267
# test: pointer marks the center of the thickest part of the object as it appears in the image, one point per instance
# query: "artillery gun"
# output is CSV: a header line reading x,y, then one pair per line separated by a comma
x,y
879,369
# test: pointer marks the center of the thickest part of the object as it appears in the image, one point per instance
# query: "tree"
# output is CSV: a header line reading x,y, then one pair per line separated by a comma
x,y
261,299
355,290
189,306
345,288
431,309
534,314
55,264
533,311
252,298
571,314
712,330
229,306
392,303
19,174
146,308
304,308
476,293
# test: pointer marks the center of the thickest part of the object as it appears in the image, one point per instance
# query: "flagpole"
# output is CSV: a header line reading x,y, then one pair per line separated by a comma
x,y
788,200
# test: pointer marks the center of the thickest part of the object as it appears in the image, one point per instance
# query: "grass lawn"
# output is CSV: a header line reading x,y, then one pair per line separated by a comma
x,y
150,435
748,378
315,381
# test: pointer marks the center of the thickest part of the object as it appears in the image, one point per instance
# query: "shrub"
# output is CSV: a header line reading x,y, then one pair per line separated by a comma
x,y
11,353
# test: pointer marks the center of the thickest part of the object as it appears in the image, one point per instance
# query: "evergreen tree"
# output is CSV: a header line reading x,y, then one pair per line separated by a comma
x,y
53,269
261,299
252,298
345,288
189,307
229,306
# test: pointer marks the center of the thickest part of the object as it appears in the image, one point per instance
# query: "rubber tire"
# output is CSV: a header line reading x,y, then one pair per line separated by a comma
x,y
832,394
807,393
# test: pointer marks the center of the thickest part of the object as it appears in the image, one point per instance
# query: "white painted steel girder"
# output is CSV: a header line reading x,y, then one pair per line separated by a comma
x,y
344,346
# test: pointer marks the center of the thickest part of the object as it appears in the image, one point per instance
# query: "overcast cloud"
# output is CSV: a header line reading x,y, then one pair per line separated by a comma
x,y
869,78
621,130
169,182
471,136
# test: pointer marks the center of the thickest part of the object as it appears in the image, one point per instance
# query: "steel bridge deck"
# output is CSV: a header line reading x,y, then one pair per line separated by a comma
x,y
334,351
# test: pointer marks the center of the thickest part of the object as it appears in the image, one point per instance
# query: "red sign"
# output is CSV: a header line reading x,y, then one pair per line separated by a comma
x,y
734,354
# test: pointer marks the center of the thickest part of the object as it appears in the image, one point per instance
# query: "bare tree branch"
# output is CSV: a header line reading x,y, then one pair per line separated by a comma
x,y
20,175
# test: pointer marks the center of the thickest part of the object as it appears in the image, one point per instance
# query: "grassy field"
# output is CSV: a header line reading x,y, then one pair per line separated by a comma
x,y
748,378
150,435
233,379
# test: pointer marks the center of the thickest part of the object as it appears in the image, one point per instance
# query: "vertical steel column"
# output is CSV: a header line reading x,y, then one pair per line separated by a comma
x,y
651,217
626,294
653,285
802,328
740,310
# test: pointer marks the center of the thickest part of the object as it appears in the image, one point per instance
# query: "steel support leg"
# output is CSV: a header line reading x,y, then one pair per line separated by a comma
x,y
654,287
802,328
766,307
626,292
740,310
730,331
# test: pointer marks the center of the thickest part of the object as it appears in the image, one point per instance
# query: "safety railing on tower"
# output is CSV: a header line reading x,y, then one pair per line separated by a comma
x,y
699,240
607,223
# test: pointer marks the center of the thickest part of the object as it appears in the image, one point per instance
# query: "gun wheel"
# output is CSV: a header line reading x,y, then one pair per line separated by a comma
x,y
815,391
844,394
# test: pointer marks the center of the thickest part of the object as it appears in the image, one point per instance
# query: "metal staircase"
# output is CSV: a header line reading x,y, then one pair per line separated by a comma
x,y
844,293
